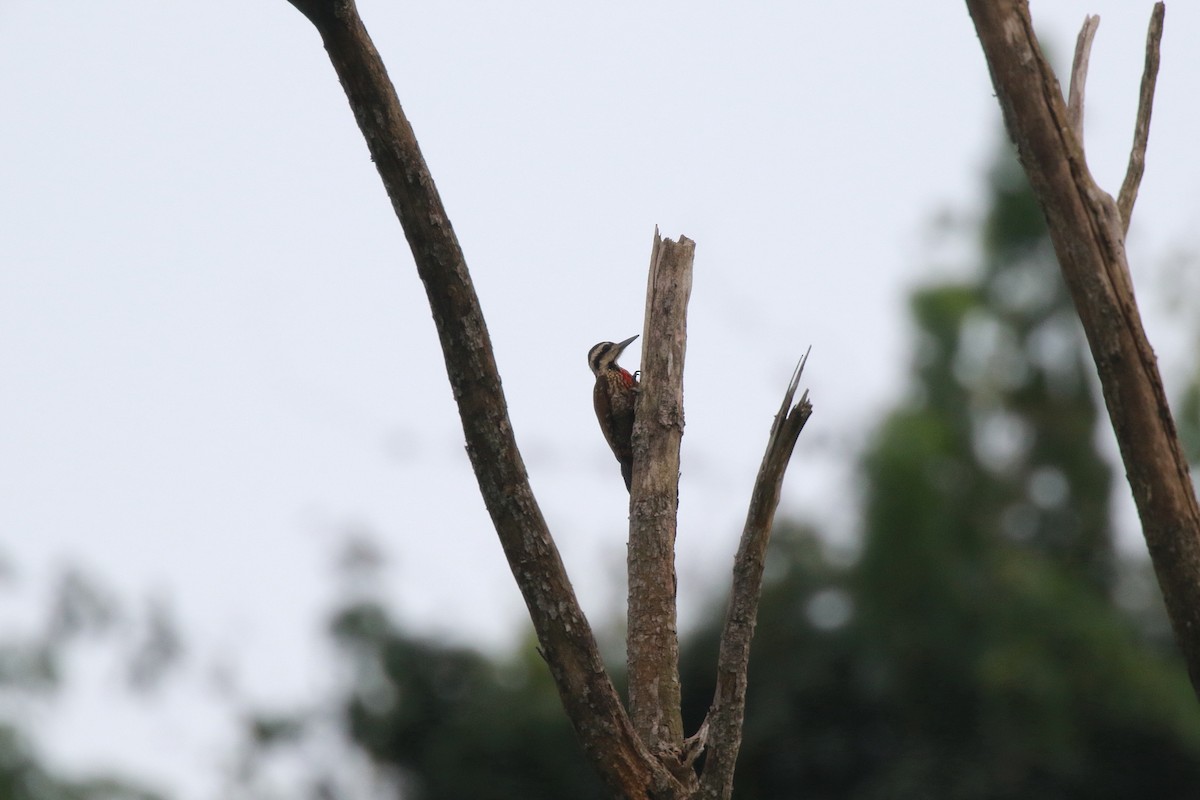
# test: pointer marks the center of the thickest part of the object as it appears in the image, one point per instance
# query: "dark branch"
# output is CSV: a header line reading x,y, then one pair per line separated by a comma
x,y
563,632
729,703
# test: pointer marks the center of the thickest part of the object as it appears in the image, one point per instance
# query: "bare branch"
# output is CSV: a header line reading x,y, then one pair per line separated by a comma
x,y
1079,70
653,643
729,703
1141,131
1089,239
563,632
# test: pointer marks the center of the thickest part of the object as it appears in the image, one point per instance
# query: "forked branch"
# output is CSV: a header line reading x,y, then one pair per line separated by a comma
x,y
1141,131
658,763
1088,232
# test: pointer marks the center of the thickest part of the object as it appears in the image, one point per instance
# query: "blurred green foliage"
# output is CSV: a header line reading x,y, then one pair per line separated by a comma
x,y
31,670
456,724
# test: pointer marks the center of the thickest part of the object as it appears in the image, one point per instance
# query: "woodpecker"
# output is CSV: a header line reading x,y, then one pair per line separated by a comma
x,y
614,396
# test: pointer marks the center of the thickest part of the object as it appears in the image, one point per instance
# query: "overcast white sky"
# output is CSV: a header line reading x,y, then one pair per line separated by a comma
x,y
217,357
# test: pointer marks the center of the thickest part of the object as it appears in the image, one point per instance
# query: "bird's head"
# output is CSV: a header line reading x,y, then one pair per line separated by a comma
x,y
604,355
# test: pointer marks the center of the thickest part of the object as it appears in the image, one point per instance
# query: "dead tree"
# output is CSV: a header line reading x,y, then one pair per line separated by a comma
x,y
641,754
1088,227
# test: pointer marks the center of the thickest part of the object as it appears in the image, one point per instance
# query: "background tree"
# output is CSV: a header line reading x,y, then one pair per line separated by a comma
x,y
974,648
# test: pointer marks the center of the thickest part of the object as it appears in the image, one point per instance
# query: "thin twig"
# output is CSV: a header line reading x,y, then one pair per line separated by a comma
x,y
1079,70
729,701
1141,131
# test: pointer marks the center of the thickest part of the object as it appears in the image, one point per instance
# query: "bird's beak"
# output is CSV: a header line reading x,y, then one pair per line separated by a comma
x,y
622,345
